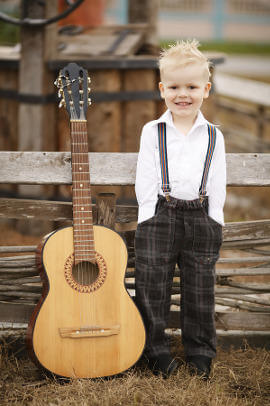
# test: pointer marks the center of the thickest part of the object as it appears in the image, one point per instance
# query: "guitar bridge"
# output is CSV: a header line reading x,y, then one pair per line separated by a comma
x,y
89,331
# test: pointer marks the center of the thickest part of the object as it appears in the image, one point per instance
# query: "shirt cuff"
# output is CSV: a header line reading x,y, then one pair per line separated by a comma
x,y
217,215
145,213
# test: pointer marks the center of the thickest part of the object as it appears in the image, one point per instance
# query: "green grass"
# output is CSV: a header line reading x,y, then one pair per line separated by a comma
x,y
233,47
9,34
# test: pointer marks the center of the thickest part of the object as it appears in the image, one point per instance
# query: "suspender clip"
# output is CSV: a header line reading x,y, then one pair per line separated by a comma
x,y
167,197
201,198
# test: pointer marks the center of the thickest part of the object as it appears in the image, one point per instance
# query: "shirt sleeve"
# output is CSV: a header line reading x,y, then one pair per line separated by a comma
x,y
146,184
217,187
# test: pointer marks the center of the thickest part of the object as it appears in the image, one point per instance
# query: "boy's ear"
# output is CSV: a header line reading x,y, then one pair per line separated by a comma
x,y
207,89
161,89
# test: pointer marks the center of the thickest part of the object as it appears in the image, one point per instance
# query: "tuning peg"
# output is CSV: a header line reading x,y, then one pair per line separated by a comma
x,y
89,89
89,101
61,104
60,93
89,79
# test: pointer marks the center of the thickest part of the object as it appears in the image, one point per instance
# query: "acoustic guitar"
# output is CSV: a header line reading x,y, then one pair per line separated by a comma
x,y
85,325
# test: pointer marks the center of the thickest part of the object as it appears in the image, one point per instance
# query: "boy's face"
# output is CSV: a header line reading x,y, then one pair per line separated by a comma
x,y
184,90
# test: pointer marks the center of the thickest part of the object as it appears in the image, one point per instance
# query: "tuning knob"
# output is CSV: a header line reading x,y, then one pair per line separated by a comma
x,y
62,103
60,93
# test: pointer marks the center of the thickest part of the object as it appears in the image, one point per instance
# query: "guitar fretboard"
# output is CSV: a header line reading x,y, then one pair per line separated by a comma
x,y
84,249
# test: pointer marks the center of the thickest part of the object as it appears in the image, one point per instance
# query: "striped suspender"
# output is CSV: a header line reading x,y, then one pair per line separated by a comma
x,y
208,159
165,186
162,142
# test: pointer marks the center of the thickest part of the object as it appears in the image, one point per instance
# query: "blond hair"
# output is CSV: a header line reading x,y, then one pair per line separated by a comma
x,y
181,54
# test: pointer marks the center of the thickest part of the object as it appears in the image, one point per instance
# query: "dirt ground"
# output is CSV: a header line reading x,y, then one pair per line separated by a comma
x,y
240,377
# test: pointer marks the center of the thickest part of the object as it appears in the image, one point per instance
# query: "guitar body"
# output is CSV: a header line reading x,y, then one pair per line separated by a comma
x,y
85,330
85,325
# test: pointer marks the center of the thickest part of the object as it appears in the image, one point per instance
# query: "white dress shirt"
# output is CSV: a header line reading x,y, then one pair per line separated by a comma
x,y
186,156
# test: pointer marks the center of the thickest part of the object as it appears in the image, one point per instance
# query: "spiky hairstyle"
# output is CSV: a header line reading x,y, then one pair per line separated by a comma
x,y
183,53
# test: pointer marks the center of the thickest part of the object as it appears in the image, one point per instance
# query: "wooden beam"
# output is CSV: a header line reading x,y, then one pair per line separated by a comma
x,y
247,90
145,11
243,232
226,321
28,209
36,122
115,168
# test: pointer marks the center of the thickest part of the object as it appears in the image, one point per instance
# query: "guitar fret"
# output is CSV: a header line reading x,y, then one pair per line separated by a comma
x,y
78,243
82,211
80,252
85,253
82,225
81,201
84,241
84,197
79,223
78,205
77,230
84,245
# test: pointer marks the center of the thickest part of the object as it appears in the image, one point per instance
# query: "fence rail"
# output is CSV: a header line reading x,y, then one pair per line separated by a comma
x,y
243,283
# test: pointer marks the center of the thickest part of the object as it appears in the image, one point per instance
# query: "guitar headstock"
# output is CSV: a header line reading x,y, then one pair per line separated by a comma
x,y
73,90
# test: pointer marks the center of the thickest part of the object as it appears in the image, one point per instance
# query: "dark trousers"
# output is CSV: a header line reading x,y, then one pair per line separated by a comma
x,y
181,232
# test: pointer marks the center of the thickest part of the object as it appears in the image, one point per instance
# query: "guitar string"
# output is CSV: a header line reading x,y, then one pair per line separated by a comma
x,y
79,216
85,237
77,222
82,240
79,192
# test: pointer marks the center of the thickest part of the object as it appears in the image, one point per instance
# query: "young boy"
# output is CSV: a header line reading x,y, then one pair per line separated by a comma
x,y
180,187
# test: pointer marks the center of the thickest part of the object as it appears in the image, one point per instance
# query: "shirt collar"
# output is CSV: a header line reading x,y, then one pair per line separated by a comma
x,y
167,118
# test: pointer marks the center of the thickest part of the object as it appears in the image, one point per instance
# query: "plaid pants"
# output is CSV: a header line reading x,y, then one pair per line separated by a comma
x,y
181,232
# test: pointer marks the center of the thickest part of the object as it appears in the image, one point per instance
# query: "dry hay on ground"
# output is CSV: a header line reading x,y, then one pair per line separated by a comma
x,y
240,377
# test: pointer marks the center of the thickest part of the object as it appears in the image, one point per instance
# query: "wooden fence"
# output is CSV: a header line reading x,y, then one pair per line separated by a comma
x,y
248,105
242,271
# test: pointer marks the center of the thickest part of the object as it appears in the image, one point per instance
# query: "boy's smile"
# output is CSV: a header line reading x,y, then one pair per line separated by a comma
x,y
184,90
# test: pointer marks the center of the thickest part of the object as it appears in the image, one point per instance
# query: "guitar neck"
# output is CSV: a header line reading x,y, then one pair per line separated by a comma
x,y
84,249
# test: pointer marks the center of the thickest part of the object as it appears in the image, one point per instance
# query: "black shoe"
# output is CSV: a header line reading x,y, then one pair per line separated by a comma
x,y
199,365
164,364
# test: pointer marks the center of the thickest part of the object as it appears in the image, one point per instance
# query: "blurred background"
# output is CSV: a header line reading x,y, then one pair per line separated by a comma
x,y
118,41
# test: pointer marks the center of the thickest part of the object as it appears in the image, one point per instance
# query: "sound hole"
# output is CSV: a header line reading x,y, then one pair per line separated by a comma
x,y
85,273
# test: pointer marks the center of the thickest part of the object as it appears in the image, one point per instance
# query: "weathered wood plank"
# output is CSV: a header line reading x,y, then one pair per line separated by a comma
x,y
243,321
11,208
232,321
246,230
18,248
235,235
115,168
237,304
27,209
228,321
16,312
244,89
